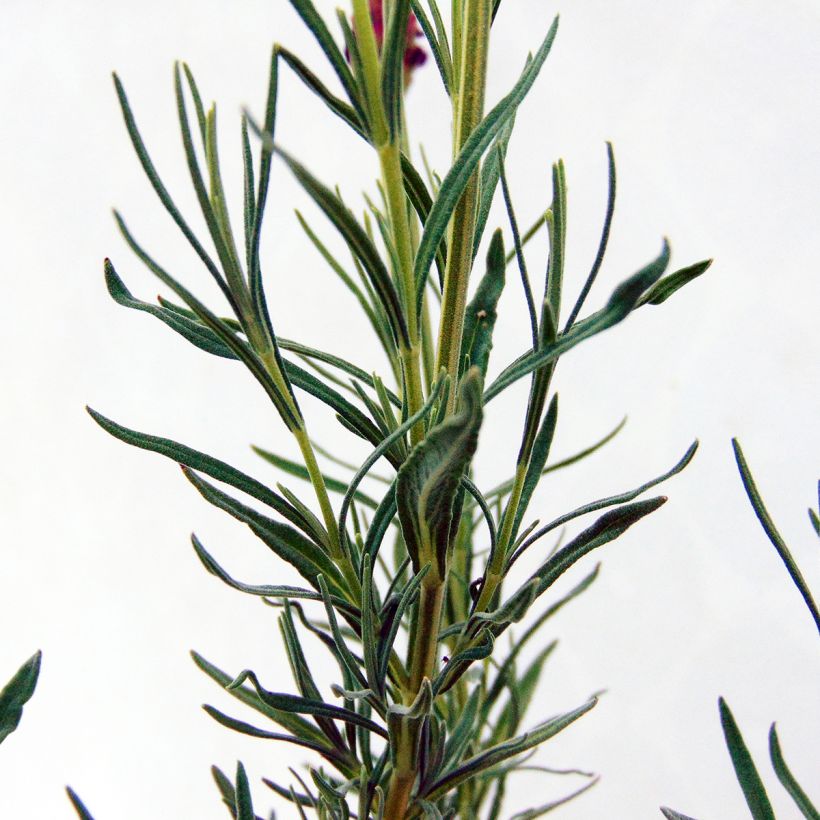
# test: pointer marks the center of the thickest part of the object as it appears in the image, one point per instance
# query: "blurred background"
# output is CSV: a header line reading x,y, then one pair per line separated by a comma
x,y
712,107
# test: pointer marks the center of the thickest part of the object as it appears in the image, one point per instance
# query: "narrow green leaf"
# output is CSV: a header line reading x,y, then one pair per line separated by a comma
x,y
303,677
602,245
195,332
226,789
240,348
370,630
408,597
541,446
773,535
228,261
480,316
293,723
313,20
279,591
606,502
16,693
428,481
670,814
607,528
753,789
384,515
337,106
788,780
286,542
244,804
488,758
348,413
165,197
467,161
620,305
338,362
392,65
437,40
82,812
531,814
203,463
664,288
357,239
305,706
490,175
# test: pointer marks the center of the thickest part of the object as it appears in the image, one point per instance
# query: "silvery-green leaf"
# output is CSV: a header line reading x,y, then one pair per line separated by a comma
x,y
430,478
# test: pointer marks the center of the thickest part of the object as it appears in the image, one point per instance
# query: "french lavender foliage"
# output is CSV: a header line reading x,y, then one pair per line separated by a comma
x,y
405,589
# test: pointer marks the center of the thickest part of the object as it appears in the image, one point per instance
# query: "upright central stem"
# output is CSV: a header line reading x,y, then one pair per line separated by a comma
x,y
469,109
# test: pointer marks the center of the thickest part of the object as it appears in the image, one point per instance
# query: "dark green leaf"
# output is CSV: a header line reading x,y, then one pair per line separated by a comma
x,y
670,814
664,288
195,332
771,531
278,591
408,597
599,256
336,105
542,443
16,693
290,545
607,528
164,196
392,68
358,240
490,175
488,758
753,789
621,303
606,502
306,706
480,316
428,481
312,19
293,723
383,449
244,804
349,414
82,812
203,463
788,779
439,46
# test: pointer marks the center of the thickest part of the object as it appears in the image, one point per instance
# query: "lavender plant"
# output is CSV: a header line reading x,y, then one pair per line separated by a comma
x,y
428,717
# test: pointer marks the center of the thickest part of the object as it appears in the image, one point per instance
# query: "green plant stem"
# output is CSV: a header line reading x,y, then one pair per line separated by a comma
x,y
340,558
469,108
398,795
495,570
390,160
422,661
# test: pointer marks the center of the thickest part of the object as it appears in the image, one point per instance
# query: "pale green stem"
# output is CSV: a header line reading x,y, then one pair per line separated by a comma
x,y
467,115
495,570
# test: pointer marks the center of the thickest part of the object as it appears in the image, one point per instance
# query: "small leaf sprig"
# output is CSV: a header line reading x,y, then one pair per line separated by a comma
x,y
428,714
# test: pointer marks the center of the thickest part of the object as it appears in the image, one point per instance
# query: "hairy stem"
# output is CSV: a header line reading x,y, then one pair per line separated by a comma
x,y
469,108
423,652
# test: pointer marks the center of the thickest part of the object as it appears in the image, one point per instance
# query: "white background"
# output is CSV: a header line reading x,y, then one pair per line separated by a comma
x,y
712,106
